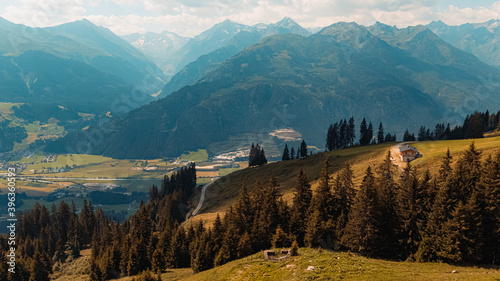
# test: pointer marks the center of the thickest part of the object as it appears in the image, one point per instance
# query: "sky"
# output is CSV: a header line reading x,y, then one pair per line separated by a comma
x,y
190,17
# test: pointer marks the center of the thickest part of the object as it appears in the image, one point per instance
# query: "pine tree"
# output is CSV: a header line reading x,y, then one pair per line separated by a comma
x,y
292,154
4,267
40,266
243,211
303,149
370,132
445,169
280,239
286,154
388,242
262,158
95,272
490,187
363,133
352,134
380,135
409,213
301,202
294,251
329,139
314,228
343,196
321,210
244,246
361,231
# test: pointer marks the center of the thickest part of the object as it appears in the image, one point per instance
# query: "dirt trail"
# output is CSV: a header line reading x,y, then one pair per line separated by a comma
x,y
395,155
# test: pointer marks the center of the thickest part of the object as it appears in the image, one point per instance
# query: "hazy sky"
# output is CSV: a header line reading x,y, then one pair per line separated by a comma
x,y
190,17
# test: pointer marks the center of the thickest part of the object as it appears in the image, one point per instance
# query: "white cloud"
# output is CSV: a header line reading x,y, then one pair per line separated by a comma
x,y
190,17
456,16
44,13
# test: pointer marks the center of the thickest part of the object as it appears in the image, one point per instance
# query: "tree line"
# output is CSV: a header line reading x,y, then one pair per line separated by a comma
x,y
290,155
257,156
46,238
474,126
342,134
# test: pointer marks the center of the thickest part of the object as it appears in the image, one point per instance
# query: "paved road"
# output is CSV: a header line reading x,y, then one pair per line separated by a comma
x,y
202,198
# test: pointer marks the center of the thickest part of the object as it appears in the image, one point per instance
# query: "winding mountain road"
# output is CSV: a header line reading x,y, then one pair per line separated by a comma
x,y
202,198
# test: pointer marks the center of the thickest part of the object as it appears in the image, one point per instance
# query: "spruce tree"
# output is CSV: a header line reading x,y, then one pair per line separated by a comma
x,y
380,134
280,239
361,230
303,149
363,133
343,196
388,223
244,246
352,134
286,154
95,272
292,154
41,267
370,132
445,169
409,213
490,187
301,203
329,139
321,210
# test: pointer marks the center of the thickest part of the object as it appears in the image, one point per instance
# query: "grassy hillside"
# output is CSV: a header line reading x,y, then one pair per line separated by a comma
x,y
224,192
434,151
340,266
327,266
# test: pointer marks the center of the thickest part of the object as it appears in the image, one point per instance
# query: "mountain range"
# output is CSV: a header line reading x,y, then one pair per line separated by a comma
x,y
187,60
480,39
404,78
77,65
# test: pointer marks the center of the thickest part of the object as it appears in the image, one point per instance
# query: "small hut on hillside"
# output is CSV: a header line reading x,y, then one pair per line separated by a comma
x,y
408,153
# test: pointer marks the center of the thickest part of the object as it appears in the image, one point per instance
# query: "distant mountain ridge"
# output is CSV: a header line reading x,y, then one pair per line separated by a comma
x,y
78,65
160,47
305,84
480,39
226,39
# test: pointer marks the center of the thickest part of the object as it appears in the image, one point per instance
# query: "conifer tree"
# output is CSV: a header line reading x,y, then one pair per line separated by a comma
x,y
364,138
244,246
490,187
292,154
95,272
303,149
343,196
352,134
314,229
410,213
329,139
243,211
286,154
41,267
280,239
388,224
4,267
445,169
301,202
361,231
380,134
370,132
321,210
